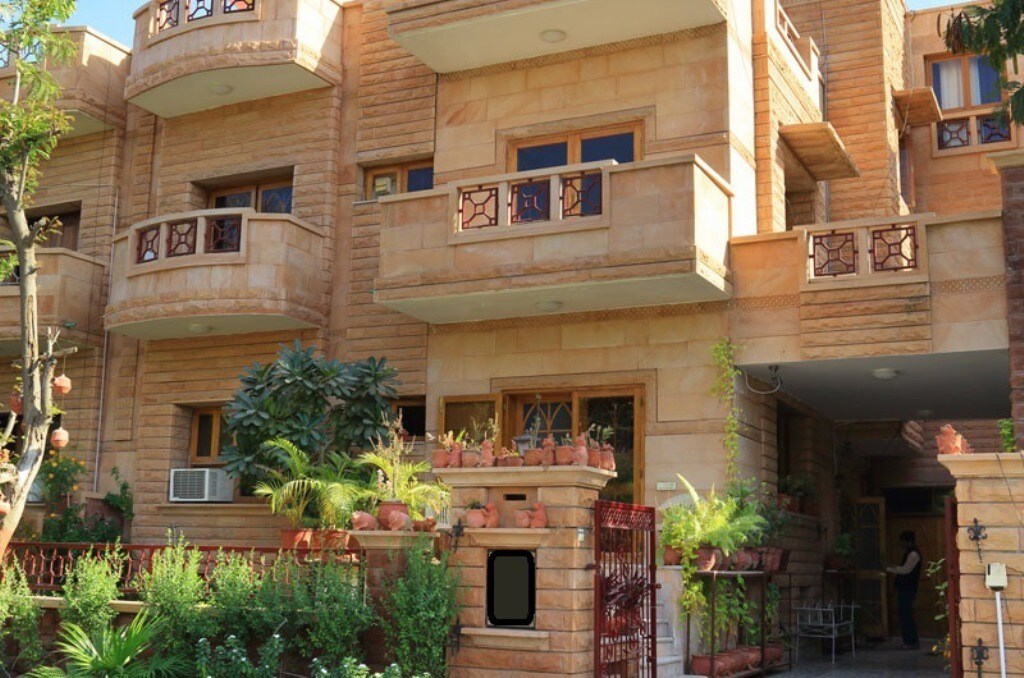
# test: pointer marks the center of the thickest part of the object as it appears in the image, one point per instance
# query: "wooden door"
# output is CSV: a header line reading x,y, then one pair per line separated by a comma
x,y
931,541
870,553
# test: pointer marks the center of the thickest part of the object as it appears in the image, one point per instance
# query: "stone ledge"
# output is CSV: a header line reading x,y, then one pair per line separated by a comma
x,y
509,537
383,540
57,602
218,509
527,476
509,639
984,465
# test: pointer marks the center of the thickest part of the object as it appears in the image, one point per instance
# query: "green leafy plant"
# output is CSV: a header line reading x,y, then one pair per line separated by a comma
x,y
89,588
313,495
318,405
724,388
174,590
132,651
233,592
399,474
336,612
70,526
935,571
800,485
353,668
231,660
1006,436
122,500
19,617
60,475
418,611
843,545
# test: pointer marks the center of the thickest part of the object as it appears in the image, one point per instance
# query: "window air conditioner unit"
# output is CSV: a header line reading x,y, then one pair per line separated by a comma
x,y
201,485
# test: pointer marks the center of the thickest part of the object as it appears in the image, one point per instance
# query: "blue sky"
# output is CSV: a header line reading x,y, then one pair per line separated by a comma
x,y
114,17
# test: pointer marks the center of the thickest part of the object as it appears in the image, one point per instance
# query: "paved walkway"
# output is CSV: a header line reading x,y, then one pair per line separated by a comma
x,y
880,661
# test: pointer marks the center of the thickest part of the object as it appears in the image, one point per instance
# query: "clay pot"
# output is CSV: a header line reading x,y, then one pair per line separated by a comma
x,y
594,457
330,539
491,515
951,442
707,557
440,458
751,655
476,517
773,653
836,562
539,516
744,560
470,459
733,661
59,438
297,538
362,521
563,455
608,459
548,454
455,456
671,557
700,665
787,501
513,462
533,457
61,384
486,454
425,525
399,522
522,517
386,508
771,559
16,403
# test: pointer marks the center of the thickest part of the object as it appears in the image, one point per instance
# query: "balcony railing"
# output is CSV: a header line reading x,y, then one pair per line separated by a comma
x,y
219,231
173,13
864,250
542,195
979,129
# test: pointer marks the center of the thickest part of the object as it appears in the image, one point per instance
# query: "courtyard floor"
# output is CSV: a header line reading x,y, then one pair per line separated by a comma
x,y
879,661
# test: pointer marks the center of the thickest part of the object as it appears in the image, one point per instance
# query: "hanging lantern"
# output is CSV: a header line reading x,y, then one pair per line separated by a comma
x,y
16,403
59,438
62,384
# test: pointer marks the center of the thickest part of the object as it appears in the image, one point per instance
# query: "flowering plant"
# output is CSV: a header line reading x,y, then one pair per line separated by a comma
x,y
60,476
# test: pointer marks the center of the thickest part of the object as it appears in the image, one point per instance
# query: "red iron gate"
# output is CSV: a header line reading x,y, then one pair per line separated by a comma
x,y
625,645
956,669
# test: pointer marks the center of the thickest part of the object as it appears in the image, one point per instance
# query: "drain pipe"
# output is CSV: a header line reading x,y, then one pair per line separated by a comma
x,y
995,580
104,356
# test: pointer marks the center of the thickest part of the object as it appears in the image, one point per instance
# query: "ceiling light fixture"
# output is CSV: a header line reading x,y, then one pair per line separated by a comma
x,y
220,89
884,373
553,35
549,306
198,328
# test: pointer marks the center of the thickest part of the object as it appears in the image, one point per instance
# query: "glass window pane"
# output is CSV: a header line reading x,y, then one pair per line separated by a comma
x,y
617,147
420,179
617,413
225,435
230,200
542,157
204,437
68,235
276,200
984,82
462,416
948,83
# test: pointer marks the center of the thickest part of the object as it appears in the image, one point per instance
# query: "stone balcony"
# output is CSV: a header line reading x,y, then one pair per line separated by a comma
x,y
70,299
456,35
588,237
219,271
196,56
92,83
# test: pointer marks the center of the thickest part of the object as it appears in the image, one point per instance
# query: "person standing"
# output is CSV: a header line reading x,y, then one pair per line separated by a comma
x,y
908,576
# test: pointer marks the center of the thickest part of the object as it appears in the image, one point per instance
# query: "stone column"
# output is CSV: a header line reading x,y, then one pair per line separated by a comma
x,y
990,488
561,641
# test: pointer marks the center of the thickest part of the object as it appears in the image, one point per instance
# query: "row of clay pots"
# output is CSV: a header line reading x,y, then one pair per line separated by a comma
x,y
767,558
737,660
487,517
549,455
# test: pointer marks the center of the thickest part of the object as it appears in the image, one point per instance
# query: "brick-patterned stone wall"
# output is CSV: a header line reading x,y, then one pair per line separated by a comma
x,y
1013,242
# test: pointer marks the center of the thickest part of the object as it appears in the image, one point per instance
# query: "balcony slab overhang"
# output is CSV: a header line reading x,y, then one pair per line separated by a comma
x,y
190,325
917,106
455,36
818,147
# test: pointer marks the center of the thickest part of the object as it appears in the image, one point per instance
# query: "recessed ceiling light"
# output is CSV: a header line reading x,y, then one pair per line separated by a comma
x,y
199,328
884,373
924,413
553,35
220,89
549,305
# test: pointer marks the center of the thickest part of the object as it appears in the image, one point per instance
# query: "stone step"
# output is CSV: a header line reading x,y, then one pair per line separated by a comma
x,y
670,667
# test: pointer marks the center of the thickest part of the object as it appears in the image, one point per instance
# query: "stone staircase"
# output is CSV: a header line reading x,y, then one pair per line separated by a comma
x,y
670,650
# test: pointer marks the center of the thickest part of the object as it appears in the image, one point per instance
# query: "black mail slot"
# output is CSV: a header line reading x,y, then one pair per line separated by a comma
x,y
511,588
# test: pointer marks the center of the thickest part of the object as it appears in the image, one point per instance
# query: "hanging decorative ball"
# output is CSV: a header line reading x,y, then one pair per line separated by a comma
x,y
62,384
59,438
16,403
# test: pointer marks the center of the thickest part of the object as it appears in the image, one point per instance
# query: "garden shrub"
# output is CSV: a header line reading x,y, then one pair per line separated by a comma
x,y
336,612
418,611
234,588
88,590
19,617
174,589
353,668
231,660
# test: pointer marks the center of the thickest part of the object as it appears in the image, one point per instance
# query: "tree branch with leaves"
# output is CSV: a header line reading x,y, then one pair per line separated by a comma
x,y
31,124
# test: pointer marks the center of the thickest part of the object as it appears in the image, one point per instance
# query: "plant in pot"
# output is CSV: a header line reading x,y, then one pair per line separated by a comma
x,y
476,514
398,487
801,493
841,555
510,458
774,558
317,499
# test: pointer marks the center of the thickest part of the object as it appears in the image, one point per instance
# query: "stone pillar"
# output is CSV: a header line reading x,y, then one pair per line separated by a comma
x,y
1011,173
990,488
561,641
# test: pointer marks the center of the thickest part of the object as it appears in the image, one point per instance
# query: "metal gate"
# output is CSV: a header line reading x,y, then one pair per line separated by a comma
x,y
956,669
624,591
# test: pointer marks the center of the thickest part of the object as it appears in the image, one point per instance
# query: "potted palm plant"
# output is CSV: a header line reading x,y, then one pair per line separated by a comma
x,y
398,488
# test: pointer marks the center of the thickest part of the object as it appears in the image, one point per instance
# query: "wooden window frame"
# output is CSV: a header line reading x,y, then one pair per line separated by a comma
x,y
195,461
401,170
574,140
965,77
255,192
971,112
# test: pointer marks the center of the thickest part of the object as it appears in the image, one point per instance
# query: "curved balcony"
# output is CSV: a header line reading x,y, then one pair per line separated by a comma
x,y
221,271
589,237
70,289
193,55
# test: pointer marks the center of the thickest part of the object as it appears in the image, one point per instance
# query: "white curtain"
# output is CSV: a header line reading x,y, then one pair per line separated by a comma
x,y
949,82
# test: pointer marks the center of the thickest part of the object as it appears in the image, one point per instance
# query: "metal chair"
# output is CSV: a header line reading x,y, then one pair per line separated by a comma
x,y
828,621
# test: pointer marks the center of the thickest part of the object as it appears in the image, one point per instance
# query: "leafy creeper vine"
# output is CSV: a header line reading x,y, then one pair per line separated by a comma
x,y
724,388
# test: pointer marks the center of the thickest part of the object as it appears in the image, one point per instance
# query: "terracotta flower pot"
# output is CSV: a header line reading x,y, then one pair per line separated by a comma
x,y
330,539
386,508
594,457
773,653
297,538
425,525
533,457
455,457
470,459
836,562
59,438
440,458
733,661
608,460
513,462
671,557
361,520
548,454
787,501
744,560
751,654
61,384
523,518
16,403
476,518
771,559
700,665
706,559
563,455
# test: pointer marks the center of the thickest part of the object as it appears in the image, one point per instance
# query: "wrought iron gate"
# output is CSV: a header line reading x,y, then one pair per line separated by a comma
x,y
956,669
624,591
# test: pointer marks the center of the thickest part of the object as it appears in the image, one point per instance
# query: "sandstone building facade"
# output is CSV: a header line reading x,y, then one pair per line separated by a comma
x,y
544,208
